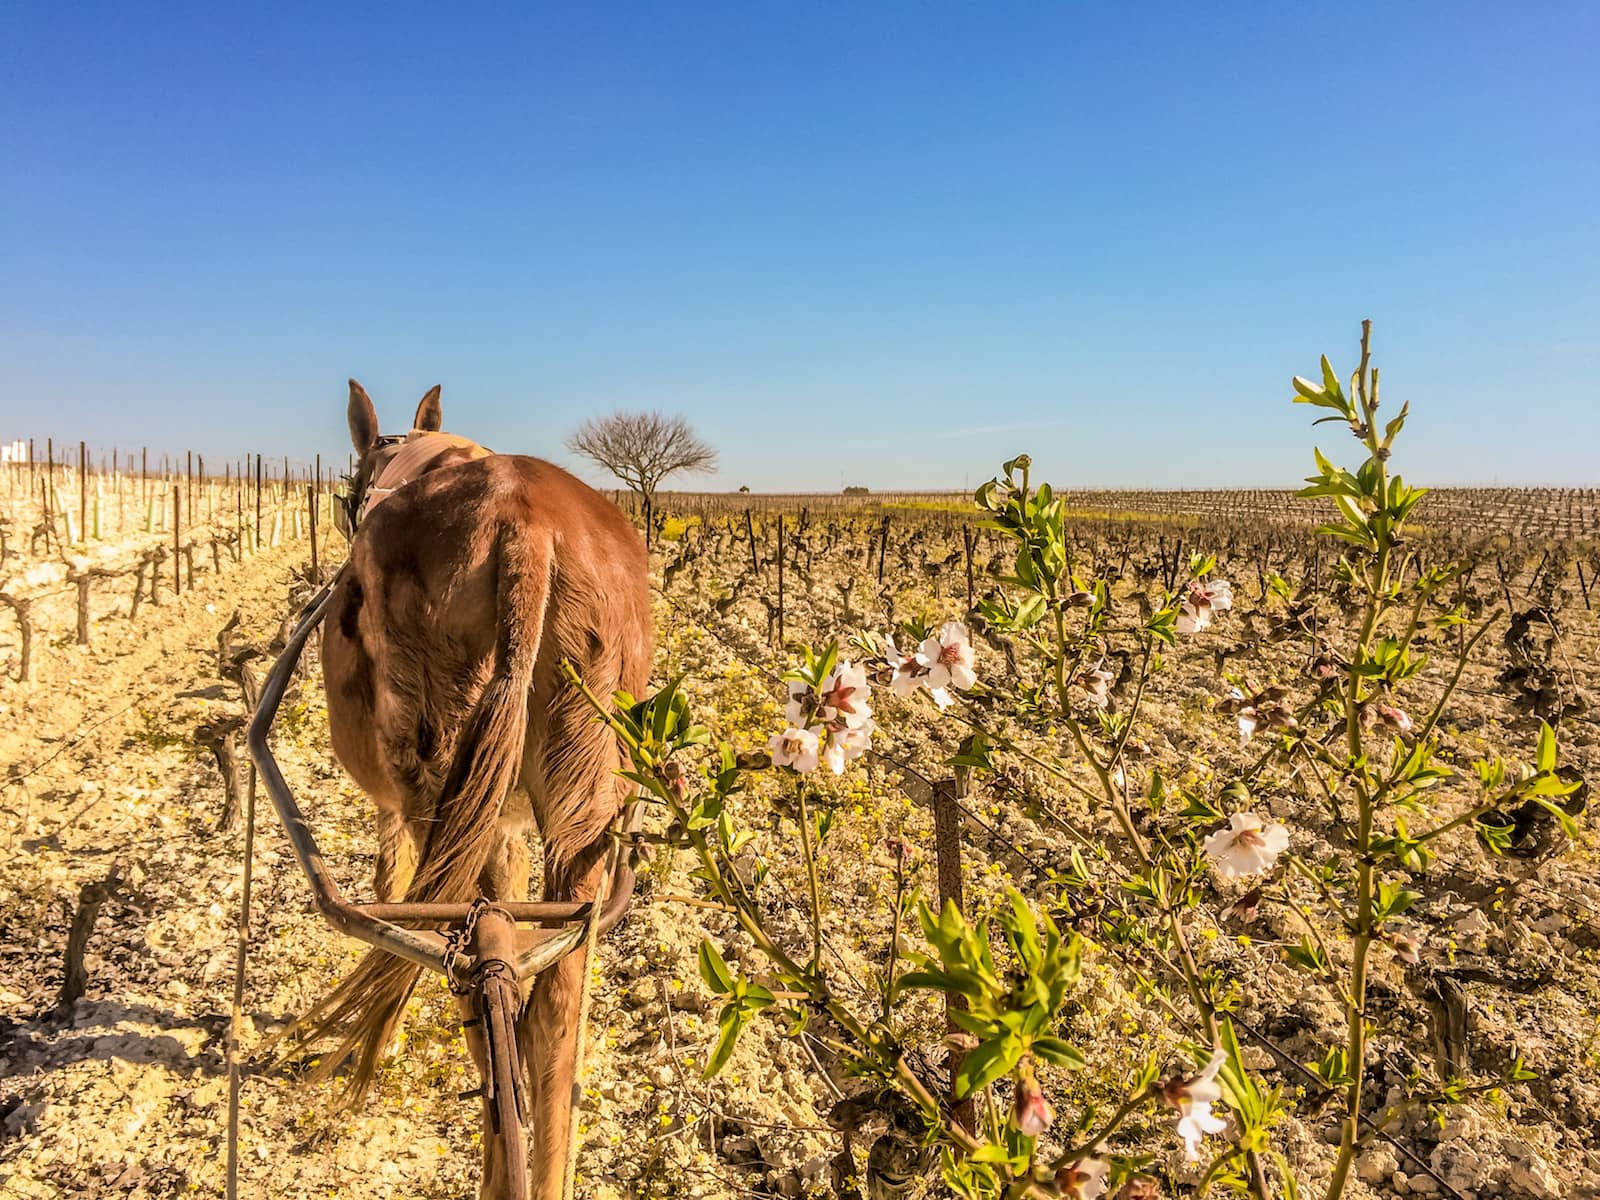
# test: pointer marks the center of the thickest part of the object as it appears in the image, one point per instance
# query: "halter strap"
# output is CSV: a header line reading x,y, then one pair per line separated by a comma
x,y
417,450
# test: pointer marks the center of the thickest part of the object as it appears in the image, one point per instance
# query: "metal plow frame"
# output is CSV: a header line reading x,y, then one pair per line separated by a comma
x,y
559,927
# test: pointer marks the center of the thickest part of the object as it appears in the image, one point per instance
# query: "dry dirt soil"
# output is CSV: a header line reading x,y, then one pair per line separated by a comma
x,y
124,1093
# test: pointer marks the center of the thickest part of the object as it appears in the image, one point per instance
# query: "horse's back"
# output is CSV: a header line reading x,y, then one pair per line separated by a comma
x,y
416,626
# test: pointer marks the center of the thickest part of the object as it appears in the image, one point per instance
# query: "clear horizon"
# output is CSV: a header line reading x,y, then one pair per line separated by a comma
x,y
888,248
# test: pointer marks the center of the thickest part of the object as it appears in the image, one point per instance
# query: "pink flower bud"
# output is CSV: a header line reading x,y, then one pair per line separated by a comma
x,y
1393,718
1030,1110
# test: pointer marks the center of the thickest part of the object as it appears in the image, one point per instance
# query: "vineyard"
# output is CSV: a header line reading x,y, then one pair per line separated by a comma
x,y
1554,513
1027,927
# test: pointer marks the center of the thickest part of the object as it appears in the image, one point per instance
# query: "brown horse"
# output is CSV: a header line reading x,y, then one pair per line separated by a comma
x,y
471,577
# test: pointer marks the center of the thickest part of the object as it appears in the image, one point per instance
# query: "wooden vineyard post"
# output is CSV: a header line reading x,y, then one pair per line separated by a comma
x,y
189,482
966,542
177,555
311,502
947,795
883,547
750,532
258,505
780,581
83,493
82,580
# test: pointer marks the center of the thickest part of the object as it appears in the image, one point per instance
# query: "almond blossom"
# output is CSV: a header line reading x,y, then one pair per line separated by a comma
x,y
843,702
908,672
1202,602
795,748
1097,683
845,745
1406,948
1083,1178
1193,1098
1247,847
1247,715
948,656
922,667
1264,710
1029,1109
1393,718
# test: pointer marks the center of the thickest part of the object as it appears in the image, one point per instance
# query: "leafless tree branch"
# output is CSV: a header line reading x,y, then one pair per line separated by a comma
x,y
642,449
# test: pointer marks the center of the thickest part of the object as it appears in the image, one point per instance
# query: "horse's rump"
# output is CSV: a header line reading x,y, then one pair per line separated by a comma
x,y
465,589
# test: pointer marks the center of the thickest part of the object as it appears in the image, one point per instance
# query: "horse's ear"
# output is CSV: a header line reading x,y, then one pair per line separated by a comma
x,y
363,418
429,416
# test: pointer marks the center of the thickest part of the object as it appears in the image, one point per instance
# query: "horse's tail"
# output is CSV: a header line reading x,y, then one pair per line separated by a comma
x,y
365,1010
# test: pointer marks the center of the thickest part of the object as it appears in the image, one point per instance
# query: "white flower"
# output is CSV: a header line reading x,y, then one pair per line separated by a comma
x,y
1193,1098
795,710
846,697
843,701
1083,1178
1197,1121
1029,1109
1097,683
1203,601
1406,948
795,748
909,673
948,657
1247,725
847,744
942,698
1247,847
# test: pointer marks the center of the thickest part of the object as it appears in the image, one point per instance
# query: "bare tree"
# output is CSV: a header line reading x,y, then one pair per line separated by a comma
x,y
642,449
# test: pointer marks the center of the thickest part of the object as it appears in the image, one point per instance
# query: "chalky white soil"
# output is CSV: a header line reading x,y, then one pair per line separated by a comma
x,y
126,1093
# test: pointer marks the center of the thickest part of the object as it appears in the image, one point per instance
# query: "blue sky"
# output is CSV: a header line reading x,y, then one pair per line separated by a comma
x,y
879,244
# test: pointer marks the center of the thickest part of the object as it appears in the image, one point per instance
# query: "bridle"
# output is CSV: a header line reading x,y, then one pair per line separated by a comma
x,y
352,501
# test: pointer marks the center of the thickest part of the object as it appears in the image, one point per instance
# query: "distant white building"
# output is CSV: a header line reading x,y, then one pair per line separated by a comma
x,y
14,452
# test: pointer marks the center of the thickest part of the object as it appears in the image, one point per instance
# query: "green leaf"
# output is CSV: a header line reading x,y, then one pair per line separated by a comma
x,y
730,1023
1029,613
1307,955
1545,756
934,981
714,970
989,1152
1496,837
756,996
1061,1054
1330,380
1568,825
987,1063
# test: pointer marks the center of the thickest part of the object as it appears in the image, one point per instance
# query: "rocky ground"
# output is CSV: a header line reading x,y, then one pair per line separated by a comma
x,y
125,1092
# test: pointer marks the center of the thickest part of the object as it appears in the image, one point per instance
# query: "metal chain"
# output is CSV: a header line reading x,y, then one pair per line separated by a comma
x,y
456,942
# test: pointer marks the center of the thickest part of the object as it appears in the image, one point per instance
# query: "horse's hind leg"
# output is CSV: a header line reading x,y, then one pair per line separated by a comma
x,y
397,856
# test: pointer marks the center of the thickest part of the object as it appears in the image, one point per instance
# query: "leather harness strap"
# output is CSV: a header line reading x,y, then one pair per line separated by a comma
x,y
419,449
